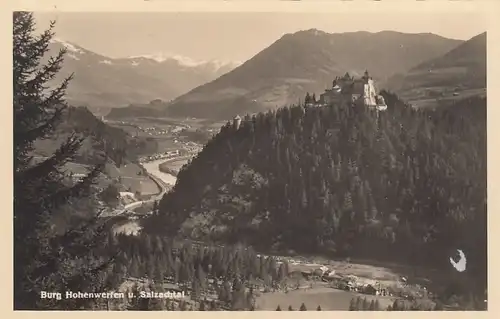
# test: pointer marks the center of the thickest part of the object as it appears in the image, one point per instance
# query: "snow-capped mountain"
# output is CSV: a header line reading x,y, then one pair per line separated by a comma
x,y
185,61
101,81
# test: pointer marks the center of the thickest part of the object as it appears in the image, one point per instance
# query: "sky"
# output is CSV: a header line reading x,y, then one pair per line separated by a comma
x,y
234,36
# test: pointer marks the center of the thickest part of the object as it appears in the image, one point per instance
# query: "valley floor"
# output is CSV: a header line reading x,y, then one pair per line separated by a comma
x,y
327,298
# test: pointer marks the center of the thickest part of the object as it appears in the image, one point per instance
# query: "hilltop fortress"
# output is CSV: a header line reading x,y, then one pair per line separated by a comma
x,y
359,92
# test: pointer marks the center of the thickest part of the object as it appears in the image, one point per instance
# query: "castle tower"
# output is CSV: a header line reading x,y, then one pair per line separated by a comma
x,y
366,76
237,122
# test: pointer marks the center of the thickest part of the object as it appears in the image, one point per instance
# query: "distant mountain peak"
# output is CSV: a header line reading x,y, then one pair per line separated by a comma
x,y
105,81
315,31
68,45
306,61
182,60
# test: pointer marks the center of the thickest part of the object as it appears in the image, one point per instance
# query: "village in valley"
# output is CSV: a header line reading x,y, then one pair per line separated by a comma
x,y
344,286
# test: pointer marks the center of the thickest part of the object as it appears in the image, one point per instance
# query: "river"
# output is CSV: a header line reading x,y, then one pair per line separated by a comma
x,y
133,227
154,169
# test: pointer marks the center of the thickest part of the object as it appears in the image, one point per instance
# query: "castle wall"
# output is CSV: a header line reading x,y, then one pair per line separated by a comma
x,y
362,92
370,94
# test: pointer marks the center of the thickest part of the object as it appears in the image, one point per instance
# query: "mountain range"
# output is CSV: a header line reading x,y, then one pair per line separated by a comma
x,y
281,74
100,81
308,61
462,68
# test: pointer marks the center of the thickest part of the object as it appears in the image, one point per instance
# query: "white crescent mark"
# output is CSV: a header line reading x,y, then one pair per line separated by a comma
x,y
461,264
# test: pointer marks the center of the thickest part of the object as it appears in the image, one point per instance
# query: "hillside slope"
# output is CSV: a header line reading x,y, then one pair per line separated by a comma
x,y
337,181
307,61
463,68
99,137
102,81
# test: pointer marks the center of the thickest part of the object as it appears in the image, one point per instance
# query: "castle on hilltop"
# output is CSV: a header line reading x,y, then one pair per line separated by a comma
x,y
359,92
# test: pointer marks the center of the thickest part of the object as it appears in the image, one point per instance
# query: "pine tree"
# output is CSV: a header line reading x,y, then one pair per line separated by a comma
x,y
250,300
359,303
278,308
195,289
281,272
307,98
353,304
303,307
395,306
183,306
290,308
48,259
319,308
372,306
213,305
366,304
202,306
377,305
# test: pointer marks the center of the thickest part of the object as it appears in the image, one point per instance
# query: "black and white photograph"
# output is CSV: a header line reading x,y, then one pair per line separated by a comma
x,y
250,161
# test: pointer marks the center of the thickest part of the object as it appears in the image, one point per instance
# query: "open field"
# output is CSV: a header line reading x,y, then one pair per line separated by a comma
x,y
421,99
314,292
173,166
167,144
327,298
370,272
131,181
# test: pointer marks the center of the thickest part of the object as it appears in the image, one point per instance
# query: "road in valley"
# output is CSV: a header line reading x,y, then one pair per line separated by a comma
x,y
163,180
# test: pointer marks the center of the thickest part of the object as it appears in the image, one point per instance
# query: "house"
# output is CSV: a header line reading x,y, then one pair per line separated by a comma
x,y
77,176
330,274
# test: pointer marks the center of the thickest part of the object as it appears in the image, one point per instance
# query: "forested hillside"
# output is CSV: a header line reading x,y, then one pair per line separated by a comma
x,y
196,267
116,143
407,185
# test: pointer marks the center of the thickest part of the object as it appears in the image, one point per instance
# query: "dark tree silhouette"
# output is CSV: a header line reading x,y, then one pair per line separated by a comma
x,y
46,258
110,195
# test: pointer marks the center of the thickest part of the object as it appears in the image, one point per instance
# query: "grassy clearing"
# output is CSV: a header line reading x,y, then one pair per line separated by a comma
x,y
327,298
314,293
173,166
131,180
370,272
